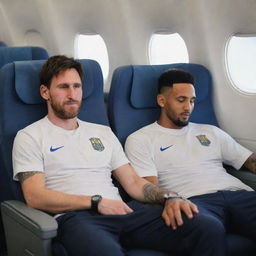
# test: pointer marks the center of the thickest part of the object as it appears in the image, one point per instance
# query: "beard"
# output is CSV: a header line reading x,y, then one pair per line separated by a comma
x,y
59,109
177,121
180,123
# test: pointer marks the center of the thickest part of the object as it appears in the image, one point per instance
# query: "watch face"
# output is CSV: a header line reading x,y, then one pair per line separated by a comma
x,y
166,196
96,198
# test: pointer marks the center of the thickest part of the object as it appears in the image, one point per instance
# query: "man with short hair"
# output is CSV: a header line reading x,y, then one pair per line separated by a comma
x,y
64,166
186,157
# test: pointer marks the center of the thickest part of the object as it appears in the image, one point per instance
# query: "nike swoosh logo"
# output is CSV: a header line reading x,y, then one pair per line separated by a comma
x,y
54,149
163,149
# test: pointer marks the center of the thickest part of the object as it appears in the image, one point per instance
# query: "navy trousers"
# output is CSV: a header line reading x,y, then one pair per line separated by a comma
x,y
86,233
234,210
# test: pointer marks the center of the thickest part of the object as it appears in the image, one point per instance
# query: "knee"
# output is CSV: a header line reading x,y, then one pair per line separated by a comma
x,y
205,235
209,225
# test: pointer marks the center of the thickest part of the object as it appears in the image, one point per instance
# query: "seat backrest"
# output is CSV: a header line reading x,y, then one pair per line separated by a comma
x,y
21,105
11,54
2,44
132,98
8,55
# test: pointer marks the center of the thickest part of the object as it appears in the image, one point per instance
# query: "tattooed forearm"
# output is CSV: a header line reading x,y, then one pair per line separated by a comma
x,y
153,194
250,163
24,175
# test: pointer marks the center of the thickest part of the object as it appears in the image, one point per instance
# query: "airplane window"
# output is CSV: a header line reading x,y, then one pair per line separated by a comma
x,y
240,62
93,47
33,37
167,48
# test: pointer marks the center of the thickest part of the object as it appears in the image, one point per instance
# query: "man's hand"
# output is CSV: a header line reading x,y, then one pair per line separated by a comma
x,y
172,211
113,207
250,163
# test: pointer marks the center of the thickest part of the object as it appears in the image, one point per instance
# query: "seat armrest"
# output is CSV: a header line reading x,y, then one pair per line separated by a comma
x,y
28,231
244,175
40,223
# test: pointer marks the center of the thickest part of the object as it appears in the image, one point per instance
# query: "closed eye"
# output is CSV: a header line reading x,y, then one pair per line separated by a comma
x,y
181,99
192,101
63,86
77,85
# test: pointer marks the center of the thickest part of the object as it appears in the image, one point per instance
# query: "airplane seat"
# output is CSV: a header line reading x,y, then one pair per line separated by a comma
x,y
2,44
132,97
132,104
19,53
21,105
29,231
7,55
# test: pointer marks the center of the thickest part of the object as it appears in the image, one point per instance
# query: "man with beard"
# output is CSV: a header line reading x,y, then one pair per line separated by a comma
x,y
186,157
64,166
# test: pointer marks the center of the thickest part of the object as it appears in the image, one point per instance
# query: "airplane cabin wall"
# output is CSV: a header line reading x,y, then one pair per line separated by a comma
x,y
235,110
126,27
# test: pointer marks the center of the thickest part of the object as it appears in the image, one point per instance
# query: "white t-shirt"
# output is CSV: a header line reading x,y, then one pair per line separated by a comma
x,y
76,161
187,160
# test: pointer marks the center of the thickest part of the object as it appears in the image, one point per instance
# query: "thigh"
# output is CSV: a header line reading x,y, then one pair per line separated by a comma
x,y
84,234
214,205
147,229
242,208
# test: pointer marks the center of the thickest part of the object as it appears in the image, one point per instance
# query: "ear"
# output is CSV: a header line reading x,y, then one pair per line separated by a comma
x,y
161,100
44,91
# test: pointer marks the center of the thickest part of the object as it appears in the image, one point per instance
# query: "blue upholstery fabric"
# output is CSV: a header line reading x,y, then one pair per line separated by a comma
x,y
145,79
10,54
2,44
27,76
20,105
132,105
7,55
132,98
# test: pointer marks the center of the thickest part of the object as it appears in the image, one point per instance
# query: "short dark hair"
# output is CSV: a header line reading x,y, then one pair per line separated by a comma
x,y
56,64
174,76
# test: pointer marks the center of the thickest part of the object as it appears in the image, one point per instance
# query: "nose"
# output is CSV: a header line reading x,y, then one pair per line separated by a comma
x,y
71,92
188,106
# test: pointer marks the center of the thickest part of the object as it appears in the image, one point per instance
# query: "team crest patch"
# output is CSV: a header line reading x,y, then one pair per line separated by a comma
x,y
97,144
203,140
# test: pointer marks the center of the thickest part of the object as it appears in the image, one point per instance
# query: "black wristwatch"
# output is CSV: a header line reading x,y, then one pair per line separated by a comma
x,y
95,200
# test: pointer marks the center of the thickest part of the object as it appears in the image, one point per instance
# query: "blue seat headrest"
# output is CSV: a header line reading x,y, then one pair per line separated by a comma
x,y
27,81
2,44
145,81
11,54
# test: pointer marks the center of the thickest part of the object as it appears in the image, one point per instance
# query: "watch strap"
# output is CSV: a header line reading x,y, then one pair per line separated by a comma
x,y
172,195
95,200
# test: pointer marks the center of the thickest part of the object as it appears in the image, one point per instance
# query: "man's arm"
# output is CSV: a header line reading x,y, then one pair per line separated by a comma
x,y
142,190
250,163
39,197
152,179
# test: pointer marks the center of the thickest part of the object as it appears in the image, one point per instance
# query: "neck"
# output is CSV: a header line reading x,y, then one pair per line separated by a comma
x,y
67,124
